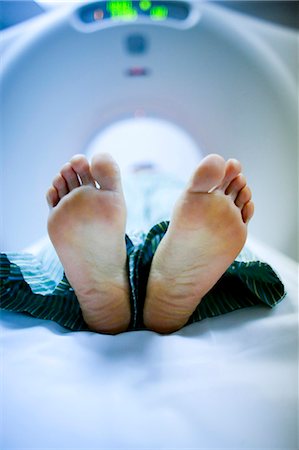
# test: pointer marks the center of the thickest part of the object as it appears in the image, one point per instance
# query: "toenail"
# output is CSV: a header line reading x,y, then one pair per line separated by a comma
x,y
212,189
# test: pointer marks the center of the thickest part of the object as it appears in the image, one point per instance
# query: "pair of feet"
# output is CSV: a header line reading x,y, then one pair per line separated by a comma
x,y
87,221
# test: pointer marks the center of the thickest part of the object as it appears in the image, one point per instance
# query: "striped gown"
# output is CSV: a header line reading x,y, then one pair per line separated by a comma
x,y
35,284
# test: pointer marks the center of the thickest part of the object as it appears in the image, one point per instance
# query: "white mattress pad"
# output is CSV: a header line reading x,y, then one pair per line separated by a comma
x,y
227,382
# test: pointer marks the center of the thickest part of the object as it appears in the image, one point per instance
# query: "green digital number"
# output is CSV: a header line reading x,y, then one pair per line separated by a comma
x,y
121,10
159,12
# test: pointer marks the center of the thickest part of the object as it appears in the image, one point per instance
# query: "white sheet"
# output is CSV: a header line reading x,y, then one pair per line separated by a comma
x,y
227,382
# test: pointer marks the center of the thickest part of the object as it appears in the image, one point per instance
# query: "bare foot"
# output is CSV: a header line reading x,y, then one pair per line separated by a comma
x,y
87,228
207,231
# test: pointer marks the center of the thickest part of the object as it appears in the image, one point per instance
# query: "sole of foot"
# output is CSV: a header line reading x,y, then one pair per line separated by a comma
x,y
86,225
207,231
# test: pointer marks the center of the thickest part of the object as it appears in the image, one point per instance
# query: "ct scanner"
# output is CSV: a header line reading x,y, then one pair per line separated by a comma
x,y
230,83
226,80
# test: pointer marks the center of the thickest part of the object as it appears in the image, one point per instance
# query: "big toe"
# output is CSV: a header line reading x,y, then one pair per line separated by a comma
x,y
80,166
208,175
106,172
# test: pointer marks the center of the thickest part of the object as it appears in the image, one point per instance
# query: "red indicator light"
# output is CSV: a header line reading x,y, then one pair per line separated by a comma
x,y
137,72
98,14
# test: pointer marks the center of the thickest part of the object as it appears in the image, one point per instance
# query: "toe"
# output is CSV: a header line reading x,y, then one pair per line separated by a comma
x,y
70,176
208,175
81,167
247,211
52,197
232,170
243,197
235,186
106,172
60,184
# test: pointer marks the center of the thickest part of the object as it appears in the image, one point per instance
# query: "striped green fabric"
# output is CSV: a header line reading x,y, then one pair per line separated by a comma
x,y
36,285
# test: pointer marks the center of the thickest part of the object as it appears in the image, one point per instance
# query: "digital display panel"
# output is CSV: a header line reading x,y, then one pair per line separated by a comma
x,y
132,10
